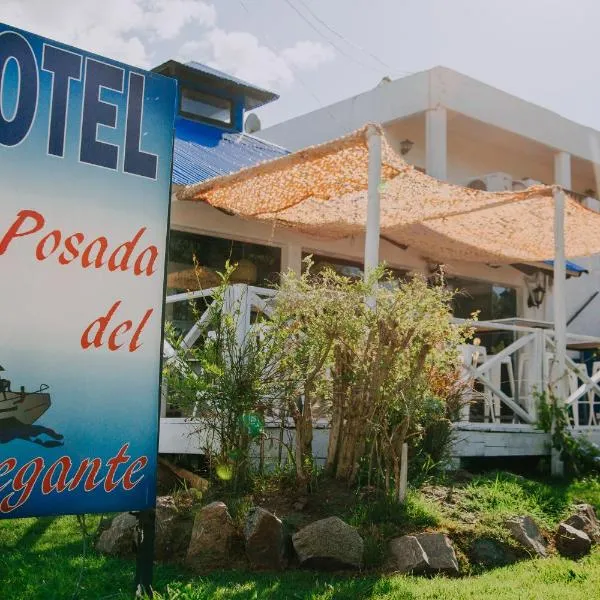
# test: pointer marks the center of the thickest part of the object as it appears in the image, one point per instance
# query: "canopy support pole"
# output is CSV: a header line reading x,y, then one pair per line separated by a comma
x,y
371,258
560,315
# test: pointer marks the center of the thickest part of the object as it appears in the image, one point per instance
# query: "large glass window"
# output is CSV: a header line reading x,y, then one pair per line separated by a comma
x,y
491,301
204,107
344,267
257,265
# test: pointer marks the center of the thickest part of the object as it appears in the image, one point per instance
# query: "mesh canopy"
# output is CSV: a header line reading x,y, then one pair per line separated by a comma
x,y
322,191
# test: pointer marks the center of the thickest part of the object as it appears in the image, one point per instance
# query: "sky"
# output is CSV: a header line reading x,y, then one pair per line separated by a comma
x,y
316,52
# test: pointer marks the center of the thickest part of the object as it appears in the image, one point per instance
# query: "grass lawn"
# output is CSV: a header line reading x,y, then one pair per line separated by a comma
x,y
43,558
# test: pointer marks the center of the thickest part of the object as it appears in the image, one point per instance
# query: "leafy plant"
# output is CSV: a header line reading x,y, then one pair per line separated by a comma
x,y
580,454
378,358
229,380
388,370
383,362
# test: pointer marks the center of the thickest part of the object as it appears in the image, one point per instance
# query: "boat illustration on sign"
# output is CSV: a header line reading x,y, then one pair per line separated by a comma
x,y
19,410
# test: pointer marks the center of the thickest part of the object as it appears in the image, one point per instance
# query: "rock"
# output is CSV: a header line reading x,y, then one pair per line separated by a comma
x,y
173,530
585,520
572,542
120,538
407,555
265,540
212,537
440,553
490,553
525,531
329,544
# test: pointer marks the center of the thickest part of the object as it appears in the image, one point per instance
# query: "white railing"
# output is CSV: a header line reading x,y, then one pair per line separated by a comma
x,y
239,299
503,388
529,369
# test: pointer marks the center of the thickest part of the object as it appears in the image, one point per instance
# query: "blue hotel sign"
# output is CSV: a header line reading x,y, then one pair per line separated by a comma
x,y
85,170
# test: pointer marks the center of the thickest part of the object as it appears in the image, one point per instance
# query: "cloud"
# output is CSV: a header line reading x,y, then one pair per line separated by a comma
x,y
241,54
136,31
168,17
308,55
121,29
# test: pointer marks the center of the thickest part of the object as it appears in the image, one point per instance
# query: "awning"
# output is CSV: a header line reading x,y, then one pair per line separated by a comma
x,y
322,191
574,270
547,266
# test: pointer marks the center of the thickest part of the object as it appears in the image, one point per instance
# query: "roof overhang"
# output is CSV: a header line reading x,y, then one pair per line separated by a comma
x,y
254,97
547,266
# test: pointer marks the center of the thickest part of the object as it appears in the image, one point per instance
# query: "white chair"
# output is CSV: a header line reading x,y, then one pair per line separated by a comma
x,y
472,355
575,381
493,407
594,399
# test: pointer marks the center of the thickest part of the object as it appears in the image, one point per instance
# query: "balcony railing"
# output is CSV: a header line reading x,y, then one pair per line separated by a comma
x,y
503,388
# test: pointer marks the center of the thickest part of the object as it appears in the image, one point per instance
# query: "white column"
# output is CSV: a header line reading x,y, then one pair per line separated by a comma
x,y
562,170
560,315
371,260
237,305
291,258
592,204
436,142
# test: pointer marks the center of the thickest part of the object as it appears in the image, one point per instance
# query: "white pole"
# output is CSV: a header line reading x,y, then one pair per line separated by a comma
x,y
562,170
560,317
371,260
436,142
403,473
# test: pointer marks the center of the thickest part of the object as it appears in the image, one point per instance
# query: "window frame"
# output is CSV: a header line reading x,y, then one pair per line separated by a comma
x,y
201,119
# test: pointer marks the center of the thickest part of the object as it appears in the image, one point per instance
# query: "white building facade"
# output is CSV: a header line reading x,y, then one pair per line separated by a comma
x,y
449,125
463,131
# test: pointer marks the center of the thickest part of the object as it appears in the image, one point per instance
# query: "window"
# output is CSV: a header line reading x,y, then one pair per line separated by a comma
x,y
257,265
204,107
492,301
347,268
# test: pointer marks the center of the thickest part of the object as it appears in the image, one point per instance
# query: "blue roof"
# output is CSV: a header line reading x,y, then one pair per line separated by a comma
x,y
202,151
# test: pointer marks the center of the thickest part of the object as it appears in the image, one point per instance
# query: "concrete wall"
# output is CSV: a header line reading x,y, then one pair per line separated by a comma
x,y
439,86
579,290
480,101
384,103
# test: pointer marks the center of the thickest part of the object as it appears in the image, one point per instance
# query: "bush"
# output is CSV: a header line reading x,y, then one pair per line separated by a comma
x,y
379,358
580,455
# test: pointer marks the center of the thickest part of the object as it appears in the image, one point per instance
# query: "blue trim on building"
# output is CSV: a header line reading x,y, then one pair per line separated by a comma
x,y
571,267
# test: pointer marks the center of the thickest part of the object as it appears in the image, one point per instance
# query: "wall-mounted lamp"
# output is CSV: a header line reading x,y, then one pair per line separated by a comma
x,y
406,146
536,286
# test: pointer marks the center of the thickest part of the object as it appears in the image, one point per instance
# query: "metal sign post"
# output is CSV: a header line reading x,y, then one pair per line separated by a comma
x,y
144,565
